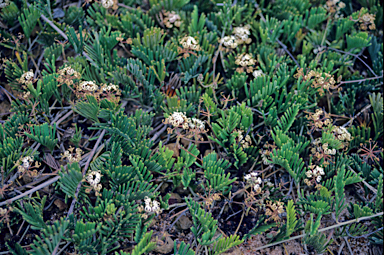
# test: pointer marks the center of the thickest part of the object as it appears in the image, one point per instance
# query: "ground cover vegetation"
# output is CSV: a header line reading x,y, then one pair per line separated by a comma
x,y
191,127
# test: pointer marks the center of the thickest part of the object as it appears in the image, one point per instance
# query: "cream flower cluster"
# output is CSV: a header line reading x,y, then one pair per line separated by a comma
x,y
242,34
152,206
265,157
244,141
274,209
253,180
196,123
319,122
335,6
107,3
110,87
26,77
3,211
188,42
257,73
177,119
26,164
171,18
315,172
325,148
68,154
4,3
93,178
88,86
67,75
245,59
367,21
68,71
342,134
323,80
229,41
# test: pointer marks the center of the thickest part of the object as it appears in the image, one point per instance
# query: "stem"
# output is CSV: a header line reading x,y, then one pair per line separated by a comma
x,y
84,171
30,191
322,230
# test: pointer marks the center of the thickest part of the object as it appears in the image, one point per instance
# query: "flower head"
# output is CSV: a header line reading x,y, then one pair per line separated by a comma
x,y
88,86
171,18
93,178
367,21
67,75
27,77
178,119
229,41
107,3
257,73
68,155
196,123
242,34
246,61
274,209
188,42
152,206
254,181
314,175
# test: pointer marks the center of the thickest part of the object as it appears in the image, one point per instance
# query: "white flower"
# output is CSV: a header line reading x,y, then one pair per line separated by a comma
x,y
257,188
257,73
110,87
152,206
177,119
88,85
3,3
242,34
318,178
229,41
94,178
148,208
188,42
3,211
245,59
26,77
253,180
196,122
107,3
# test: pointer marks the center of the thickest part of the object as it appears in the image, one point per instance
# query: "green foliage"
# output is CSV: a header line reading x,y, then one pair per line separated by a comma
x,y
143,247
51,237
76,136
223,244
9,13
377,116
70,179
291,219
339,192
214,172
262,137
358,41
33,213
183,249
28,19
43,134
204,225
258,229
312,236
